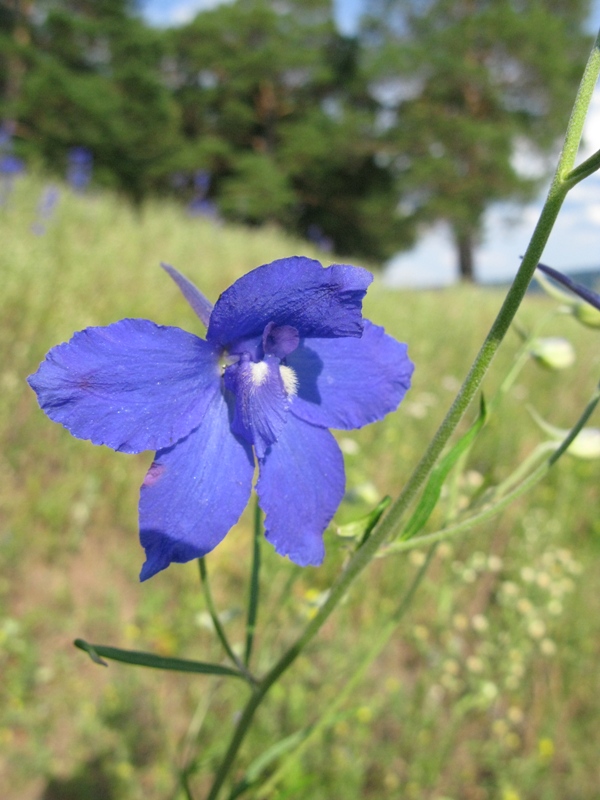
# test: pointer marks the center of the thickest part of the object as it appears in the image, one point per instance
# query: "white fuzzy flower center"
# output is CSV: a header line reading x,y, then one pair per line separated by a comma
x,y
290,380
260,370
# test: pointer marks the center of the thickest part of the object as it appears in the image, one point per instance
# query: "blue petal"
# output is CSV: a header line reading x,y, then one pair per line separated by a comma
x,y
296,292
301,484
261,402
202,307
132,385
194,492
347,383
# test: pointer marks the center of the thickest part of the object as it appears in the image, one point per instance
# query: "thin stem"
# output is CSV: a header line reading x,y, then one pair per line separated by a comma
x,y
254,584
522,357
391,522
219,630
584,170
190,741
579,113
373,652
491,510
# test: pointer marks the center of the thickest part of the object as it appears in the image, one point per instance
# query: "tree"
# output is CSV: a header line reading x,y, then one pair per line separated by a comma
x,y
93,79
464,84
273,104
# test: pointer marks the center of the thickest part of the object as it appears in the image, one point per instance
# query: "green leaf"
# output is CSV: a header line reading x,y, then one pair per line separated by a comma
x,y
432,492
97,651
361,528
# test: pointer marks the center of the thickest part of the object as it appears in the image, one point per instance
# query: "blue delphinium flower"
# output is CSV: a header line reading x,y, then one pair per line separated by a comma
x,y
287,355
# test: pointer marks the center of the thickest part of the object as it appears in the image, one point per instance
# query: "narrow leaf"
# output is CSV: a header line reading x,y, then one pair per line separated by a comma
x,y
432,492
97,651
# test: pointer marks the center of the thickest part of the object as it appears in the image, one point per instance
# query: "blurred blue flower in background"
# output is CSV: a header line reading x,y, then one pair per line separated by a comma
x,y
47,204
287,355
315,235
10,165
200,205
79,168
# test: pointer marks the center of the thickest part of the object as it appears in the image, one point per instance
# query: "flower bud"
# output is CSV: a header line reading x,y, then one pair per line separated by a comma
x,y
585,445
554,352
586,314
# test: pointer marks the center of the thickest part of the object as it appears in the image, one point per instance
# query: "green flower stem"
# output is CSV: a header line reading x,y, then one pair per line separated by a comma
x,y
219,630
524,467
390,523
254,584
327,719
584,170
189,747
522,357
492,509
556,195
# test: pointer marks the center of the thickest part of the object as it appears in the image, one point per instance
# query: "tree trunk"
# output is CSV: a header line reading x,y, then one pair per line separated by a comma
x,y
464,250
15,66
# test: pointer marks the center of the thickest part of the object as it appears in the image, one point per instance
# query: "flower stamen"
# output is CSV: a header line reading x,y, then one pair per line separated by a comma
x,y
290,380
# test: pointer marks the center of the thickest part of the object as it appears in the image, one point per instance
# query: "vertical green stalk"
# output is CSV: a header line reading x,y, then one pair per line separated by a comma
x,y
390,523
381,639
254,583
219,630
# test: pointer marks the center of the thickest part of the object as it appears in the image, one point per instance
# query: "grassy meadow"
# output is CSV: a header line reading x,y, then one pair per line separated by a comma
x,y
490,689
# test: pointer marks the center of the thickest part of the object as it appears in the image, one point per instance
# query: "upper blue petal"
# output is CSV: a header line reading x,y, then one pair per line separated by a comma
x,y
201,306
132,385
194,492
296,292
347,383
300,486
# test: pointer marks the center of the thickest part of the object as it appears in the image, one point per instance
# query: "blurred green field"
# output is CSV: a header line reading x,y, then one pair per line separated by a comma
x,y
490,689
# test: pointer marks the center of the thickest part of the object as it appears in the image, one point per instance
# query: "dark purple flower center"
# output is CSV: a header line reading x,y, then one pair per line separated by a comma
x,y
261,384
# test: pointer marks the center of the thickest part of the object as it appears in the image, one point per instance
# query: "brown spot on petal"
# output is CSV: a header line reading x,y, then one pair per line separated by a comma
x,y
153,474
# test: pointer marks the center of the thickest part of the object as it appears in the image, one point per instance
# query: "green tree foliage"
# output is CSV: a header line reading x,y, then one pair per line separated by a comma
x,y
358,140
463,84
274,106
92,78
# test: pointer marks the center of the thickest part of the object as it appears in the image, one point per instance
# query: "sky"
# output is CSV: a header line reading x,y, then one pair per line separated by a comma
x,y
574,244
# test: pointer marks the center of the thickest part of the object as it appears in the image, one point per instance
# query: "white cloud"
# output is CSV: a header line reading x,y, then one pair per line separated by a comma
x,y
592,213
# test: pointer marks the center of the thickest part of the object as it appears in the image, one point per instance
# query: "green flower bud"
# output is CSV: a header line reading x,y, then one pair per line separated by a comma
x,y
585,445
553,352
586,314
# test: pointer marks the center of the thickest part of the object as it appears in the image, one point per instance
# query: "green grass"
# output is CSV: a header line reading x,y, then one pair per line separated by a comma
x,y
489,690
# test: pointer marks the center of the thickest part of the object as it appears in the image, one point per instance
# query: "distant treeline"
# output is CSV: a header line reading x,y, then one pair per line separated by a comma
x,y
261,110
